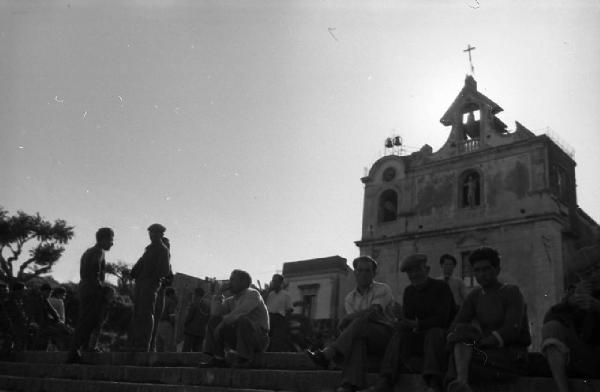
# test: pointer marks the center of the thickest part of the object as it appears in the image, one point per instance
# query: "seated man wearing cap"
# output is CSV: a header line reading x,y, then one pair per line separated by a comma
x,y
490,334
571,335
239,325
366,329
420,333
148,272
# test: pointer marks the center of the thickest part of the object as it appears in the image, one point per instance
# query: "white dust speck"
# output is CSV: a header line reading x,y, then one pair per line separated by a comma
x,y
155,106
59,100
120,99
370,77
84,114
21,147
87,191
168,198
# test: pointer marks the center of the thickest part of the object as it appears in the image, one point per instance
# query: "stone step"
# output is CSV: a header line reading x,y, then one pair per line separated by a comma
x,y
35,384
297,361
296,380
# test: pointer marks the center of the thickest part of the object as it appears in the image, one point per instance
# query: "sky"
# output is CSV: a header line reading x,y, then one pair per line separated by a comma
x,y
244,127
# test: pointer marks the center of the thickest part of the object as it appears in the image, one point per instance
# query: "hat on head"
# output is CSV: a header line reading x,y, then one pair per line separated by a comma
x,y
412,261
157,227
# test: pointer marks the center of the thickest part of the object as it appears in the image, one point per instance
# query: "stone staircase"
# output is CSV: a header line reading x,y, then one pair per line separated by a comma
x,y
177,372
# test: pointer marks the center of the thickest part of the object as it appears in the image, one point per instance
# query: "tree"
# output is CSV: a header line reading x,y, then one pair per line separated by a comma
x,y
43,238
121,271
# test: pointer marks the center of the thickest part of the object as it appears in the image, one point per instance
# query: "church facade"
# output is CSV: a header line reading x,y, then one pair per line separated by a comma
x,y
486,186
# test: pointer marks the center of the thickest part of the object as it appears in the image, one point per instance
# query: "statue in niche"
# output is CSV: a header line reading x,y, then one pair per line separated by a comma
x,y
471,188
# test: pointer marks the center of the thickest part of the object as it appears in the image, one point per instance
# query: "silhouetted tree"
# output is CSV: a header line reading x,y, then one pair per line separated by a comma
x,y
44,238
121,271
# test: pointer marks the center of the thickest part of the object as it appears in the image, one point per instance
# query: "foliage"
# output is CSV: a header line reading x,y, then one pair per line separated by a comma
x,y
45,238
122,272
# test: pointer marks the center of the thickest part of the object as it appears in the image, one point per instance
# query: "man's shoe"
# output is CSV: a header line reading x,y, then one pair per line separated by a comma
x,y
458,386
345,387
74,357
214,362
318,358
382,385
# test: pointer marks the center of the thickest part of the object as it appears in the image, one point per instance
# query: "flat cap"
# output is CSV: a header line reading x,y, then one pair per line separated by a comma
x,y
412,261
157,227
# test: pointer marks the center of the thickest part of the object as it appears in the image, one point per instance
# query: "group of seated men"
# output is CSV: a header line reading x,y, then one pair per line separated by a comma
x,y
486,338
35,326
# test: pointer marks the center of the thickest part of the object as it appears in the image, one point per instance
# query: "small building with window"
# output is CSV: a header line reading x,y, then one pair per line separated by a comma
x,y
486,186
318,286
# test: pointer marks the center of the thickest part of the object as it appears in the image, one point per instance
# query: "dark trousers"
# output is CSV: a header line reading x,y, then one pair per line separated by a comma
x,y
91,313
278,334
423,351
360,339
143,315
57,333
494,364
242,336
192,343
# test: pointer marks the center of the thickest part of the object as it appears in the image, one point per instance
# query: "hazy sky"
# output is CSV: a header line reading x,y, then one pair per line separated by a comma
x,y
244,127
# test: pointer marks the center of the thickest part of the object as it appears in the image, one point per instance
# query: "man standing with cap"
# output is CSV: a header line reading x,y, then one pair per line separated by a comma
x,y
420,334
366,329
148,272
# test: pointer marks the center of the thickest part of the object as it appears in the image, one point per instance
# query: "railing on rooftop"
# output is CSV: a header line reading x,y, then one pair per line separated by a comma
x,y
570,151
469,145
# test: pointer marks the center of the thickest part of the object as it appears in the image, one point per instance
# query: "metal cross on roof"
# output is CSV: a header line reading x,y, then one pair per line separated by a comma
x,y
469,49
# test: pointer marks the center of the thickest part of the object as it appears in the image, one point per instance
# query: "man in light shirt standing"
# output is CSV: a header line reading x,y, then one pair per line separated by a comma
x,y
57,300
279,304
457,286
367,327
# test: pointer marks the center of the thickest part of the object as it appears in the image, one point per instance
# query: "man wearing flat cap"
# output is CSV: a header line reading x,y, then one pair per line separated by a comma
x,y
418,343
148,273
366,328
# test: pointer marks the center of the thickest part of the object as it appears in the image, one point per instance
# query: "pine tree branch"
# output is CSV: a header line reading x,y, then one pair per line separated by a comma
x,y
25,265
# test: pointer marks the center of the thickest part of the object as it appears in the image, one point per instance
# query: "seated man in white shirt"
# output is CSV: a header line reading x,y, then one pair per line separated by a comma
x,y
366,329
239,325
279,304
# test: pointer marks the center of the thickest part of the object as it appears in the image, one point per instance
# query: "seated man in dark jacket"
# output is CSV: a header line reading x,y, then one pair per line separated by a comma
x,y
421,330
490,333
17,319
571,336
51,327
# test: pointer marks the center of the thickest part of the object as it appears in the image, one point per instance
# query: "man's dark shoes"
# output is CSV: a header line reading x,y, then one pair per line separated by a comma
x,y
74,357
214,362
318,358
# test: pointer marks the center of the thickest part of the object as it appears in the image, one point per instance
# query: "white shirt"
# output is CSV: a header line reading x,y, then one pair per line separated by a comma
x,y
377,294
58,305
279,302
